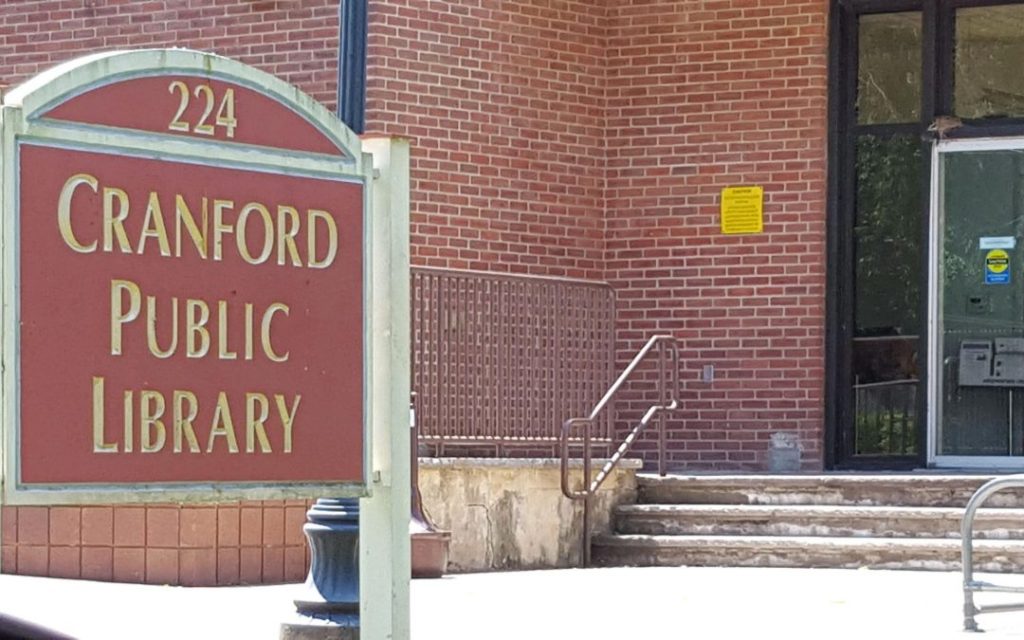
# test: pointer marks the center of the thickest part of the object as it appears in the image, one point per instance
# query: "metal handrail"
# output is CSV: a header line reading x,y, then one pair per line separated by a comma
x,y
967,554
668,400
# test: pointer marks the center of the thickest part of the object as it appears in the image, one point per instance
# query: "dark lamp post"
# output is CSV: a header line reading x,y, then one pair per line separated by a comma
x,y
328,607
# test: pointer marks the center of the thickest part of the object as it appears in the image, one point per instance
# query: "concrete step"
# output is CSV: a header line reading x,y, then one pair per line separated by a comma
x,y
1006,556
815,520
911,489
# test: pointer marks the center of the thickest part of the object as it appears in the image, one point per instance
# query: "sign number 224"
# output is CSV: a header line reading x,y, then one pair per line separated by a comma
x,y
225,116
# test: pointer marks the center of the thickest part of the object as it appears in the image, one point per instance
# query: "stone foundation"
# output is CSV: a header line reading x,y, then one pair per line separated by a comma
x,y
511,514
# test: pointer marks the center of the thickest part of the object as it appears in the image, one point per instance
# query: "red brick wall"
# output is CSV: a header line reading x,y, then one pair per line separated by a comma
x,y
592,139
703,95
504,104
295,40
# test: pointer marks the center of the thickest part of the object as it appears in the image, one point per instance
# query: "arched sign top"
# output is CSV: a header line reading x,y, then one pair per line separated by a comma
x,y
184,93
188,241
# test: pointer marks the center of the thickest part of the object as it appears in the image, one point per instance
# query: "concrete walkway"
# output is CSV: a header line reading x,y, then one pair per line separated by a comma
x,y
691,603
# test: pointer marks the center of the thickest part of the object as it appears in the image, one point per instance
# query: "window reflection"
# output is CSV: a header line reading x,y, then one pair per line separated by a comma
x,y
887,294
989,50
889,68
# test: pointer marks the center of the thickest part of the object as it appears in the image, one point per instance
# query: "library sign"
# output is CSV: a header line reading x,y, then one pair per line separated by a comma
x,y
184,301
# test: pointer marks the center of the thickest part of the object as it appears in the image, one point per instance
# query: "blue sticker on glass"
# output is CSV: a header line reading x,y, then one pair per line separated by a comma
x,y
997,267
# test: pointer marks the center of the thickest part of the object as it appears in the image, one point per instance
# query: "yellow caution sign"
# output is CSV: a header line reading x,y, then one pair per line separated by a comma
x,y
742,209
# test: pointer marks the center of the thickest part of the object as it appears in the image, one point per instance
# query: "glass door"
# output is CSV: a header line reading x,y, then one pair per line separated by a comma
x,y
977,304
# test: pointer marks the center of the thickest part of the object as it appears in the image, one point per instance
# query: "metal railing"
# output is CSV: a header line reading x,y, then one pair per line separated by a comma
x,y
967,555
499,361
885,417
666,348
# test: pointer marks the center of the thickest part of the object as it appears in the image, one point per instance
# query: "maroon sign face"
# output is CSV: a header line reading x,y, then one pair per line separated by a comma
x,y
182,321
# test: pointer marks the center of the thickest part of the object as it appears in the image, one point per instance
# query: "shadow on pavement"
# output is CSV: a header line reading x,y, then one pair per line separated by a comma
x,y
12,628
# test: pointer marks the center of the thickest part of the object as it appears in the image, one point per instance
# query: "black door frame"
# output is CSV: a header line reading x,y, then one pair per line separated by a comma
x,y
937,36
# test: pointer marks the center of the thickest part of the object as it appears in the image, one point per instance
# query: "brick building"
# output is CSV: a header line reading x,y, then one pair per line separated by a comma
x,y
591,140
